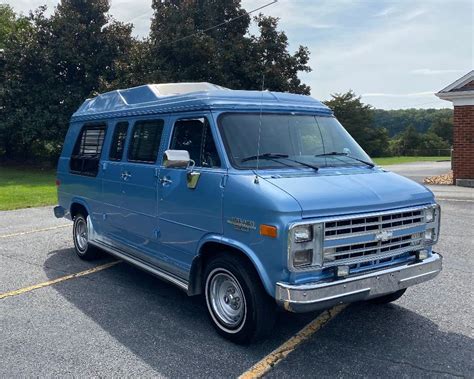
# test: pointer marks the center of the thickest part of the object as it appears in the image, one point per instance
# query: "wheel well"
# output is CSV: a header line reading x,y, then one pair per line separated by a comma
x,y
208,251
77,208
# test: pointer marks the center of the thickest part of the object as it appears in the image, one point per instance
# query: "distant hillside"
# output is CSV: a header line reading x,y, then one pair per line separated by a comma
x,y
395,121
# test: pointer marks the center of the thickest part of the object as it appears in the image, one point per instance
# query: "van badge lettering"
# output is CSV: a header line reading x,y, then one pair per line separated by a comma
x,y
383,236
241,224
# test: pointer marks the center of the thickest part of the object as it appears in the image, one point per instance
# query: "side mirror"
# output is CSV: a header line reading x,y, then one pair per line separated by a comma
x,y
176,159
181,159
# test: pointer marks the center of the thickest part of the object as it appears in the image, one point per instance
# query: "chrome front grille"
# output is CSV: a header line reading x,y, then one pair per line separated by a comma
x,y
369,251
374,238
361,225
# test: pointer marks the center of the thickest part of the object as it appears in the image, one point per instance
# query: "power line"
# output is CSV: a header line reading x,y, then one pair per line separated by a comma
x,y
224,23
137,17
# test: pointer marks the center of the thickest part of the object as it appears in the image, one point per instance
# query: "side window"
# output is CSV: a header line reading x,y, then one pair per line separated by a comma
x,y
118,141
86,153
145,141
195,136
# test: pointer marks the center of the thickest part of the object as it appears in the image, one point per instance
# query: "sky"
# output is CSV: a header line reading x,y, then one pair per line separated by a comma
x,y
394,53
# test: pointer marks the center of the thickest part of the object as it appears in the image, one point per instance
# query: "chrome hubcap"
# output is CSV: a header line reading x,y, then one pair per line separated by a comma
x,y
227,299
81,234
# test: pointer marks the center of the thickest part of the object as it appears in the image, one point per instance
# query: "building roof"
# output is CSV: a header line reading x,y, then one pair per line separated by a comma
x,y
174,97
461,91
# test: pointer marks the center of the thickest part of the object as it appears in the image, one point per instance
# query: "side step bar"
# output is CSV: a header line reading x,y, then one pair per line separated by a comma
x,y
181,283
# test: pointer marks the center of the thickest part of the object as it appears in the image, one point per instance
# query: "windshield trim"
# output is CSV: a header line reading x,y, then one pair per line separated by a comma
x,y
262,166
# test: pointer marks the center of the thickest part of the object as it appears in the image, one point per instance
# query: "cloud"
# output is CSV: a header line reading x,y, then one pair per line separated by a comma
x,y
385,12
324,26
413,94
413,14
430,71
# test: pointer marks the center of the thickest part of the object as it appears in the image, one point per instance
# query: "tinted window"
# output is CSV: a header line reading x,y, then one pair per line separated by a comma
x,y
145,141
86,153
118,141
195,136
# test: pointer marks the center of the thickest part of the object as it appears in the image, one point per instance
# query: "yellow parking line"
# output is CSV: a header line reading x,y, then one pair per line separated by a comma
x,y
34,231
58,280
267,363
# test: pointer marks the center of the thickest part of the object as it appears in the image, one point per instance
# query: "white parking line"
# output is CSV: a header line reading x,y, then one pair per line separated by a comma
x,y
34,231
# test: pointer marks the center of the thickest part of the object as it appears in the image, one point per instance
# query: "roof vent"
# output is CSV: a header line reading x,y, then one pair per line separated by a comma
x,y
168,89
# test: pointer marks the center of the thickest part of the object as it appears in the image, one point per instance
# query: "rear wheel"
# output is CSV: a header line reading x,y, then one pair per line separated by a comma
x,y
238,306
388,298
80,235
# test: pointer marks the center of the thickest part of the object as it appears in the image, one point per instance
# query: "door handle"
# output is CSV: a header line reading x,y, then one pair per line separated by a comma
x,y
125,175
165,180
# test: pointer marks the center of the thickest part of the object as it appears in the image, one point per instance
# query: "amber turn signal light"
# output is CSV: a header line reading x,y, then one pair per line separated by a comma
x,y
268,230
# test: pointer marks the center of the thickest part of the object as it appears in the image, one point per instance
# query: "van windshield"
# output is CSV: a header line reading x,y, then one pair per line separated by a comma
x,y
288,141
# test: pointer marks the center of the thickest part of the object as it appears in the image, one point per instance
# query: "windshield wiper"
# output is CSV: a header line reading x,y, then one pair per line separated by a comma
x,y
264,156
334,153
275,157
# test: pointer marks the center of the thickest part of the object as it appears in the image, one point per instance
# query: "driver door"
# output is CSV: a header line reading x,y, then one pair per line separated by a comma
x,y
186,214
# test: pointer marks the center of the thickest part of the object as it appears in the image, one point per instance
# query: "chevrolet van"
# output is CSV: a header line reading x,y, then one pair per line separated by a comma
x,y
250,199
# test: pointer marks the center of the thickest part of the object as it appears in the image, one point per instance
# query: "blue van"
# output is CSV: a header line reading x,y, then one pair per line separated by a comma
x,y
252,199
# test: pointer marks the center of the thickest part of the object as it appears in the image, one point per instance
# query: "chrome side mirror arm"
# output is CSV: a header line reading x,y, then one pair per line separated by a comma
x,y
192,177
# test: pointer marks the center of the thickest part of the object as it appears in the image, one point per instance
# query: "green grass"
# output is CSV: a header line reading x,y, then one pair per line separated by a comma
x,y
397,160
26,187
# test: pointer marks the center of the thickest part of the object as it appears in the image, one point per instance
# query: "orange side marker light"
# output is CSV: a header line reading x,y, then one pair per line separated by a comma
x,y
268,230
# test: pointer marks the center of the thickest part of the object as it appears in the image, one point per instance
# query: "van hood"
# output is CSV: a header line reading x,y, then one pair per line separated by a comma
x,y
330,195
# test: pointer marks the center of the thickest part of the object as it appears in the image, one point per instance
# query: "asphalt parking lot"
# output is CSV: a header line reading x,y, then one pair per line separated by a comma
x,y
116,320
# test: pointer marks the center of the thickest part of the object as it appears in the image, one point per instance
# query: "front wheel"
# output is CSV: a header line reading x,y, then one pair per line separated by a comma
x,y
238,306
80,234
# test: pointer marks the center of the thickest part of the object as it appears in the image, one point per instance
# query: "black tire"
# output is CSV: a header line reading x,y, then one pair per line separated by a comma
x,y
83,248
256,308
388,298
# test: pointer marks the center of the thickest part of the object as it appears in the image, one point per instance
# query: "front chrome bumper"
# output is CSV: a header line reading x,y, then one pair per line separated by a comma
x,y
314,296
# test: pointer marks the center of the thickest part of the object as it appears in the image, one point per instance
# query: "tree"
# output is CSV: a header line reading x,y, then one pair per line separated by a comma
x,y
180,48
397,120
431,144
279,67
357,118
410,142
186,45
443,128
52,68
10,23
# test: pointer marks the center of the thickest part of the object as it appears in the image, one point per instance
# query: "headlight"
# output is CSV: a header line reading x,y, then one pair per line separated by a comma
x,y
430,214
431,236
302,258
432,219
303,233
305,242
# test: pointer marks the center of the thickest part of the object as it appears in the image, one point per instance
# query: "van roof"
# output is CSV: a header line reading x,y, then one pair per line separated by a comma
x,y
180,97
